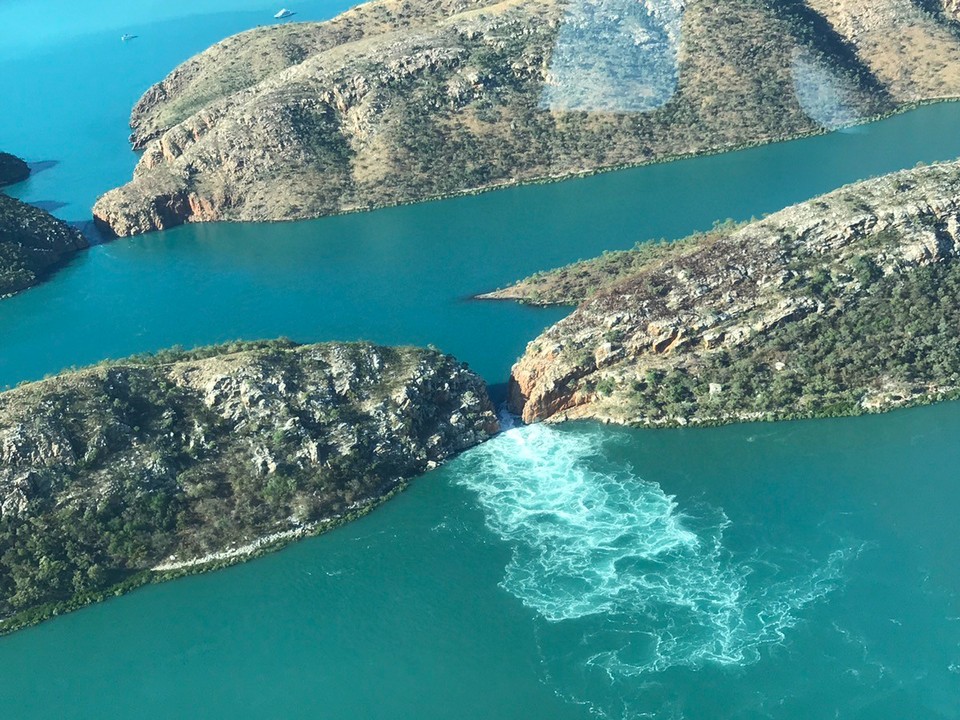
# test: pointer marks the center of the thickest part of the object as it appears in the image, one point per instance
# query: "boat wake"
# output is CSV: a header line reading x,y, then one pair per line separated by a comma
x,y
627,583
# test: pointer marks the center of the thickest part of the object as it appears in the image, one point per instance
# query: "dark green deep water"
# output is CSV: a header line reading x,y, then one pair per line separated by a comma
x,y
792,571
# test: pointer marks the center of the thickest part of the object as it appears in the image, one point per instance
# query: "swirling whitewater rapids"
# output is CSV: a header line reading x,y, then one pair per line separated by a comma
x,y
617,570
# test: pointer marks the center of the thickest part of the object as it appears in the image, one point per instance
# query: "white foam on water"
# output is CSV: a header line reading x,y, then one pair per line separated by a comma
x,y
618,571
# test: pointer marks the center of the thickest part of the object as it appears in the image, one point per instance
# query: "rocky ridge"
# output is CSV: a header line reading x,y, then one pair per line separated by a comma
x,y
111,471
396,102
843,304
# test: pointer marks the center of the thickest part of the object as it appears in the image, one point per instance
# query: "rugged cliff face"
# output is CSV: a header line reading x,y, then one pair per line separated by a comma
x,y
843,304
117,473
395,102
32,242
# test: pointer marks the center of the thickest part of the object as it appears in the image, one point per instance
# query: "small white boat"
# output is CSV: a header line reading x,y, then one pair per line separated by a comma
x,y
283,14
127,36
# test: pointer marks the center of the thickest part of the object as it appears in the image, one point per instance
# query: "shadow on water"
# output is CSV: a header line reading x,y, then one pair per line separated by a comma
x,y
499,392
91,231
48,205
42,166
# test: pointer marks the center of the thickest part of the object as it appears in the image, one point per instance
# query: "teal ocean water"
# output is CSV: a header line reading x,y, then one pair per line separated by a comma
x,y
794,571
799,570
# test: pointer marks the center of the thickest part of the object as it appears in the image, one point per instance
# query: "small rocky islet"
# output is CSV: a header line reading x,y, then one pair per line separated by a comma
x,y
136,470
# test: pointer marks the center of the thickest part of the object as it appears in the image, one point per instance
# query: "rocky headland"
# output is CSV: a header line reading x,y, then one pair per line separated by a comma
x,y
845,304
12,169
394,102
136,470
32,242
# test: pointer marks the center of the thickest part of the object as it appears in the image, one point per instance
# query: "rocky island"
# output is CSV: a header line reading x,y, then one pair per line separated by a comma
x,y
394,102
845,304
32,242
138,470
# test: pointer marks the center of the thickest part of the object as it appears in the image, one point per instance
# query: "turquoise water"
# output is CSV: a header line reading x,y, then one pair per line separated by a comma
x,y
801,570
403,275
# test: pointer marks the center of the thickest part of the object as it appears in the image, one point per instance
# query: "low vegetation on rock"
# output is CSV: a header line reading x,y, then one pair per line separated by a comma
x,y
128,471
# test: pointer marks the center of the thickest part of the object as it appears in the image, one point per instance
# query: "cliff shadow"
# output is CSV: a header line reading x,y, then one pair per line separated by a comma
x,y
41,166
91,231
49,206
498,392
